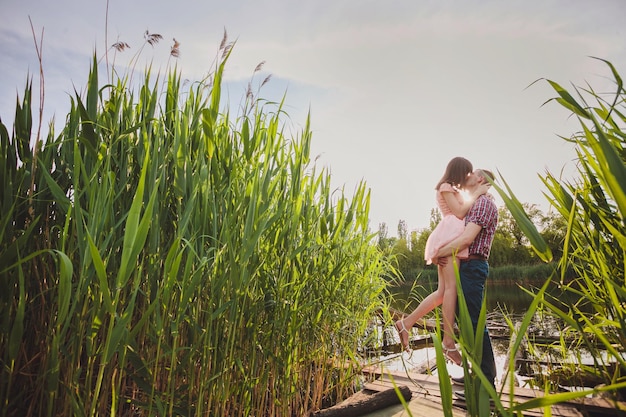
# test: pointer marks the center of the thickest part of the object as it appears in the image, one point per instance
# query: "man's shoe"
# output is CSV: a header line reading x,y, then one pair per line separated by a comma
x,y
458,380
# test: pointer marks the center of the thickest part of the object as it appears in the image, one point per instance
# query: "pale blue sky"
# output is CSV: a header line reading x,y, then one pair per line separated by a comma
x,y
395,88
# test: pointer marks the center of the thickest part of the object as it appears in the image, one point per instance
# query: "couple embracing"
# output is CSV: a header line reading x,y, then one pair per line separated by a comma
x,y
464,235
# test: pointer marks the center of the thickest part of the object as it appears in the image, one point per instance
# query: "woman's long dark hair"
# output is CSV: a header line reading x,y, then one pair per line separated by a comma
x,y
456,172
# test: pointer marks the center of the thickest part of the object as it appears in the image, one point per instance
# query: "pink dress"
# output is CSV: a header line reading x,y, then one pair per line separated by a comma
x,y
449,228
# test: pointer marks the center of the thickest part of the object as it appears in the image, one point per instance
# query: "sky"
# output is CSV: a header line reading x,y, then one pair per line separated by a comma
x,y
395,89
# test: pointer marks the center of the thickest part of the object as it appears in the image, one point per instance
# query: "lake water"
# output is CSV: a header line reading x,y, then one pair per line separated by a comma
x,y
506,296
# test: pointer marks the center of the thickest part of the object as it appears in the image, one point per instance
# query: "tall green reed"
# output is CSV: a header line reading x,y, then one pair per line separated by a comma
x,y
594,207
203,264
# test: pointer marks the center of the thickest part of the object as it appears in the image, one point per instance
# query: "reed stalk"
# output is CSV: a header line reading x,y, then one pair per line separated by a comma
x,y
203,264
593,206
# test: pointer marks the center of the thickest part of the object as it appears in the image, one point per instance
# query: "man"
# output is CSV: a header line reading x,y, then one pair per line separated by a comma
x,y
480,227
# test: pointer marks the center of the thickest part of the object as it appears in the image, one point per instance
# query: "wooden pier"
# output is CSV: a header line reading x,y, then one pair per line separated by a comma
x,y
420,390
423,397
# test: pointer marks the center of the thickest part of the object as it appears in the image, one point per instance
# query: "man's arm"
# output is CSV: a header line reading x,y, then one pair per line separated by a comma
x,y
463,241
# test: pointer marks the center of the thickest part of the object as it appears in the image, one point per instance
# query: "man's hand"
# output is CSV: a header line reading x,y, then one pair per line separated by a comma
x,y
440,261
480,190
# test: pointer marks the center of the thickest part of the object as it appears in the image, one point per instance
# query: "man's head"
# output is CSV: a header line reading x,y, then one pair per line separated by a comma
x,y
484,175
479,176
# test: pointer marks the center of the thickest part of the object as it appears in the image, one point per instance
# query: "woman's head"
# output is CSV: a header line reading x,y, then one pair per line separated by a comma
x,y
456,172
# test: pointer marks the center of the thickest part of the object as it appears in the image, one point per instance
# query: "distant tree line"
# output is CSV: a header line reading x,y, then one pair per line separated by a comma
x,y
510,246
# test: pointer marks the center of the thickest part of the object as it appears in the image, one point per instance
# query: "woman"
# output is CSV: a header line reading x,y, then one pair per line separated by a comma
x,y
453,209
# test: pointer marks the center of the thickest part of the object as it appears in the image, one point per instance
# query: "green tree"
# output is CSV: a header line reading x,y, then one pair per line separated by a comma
x,y
511,246
407,252
403,257
418,246
435,218
553,230
383,239
402,230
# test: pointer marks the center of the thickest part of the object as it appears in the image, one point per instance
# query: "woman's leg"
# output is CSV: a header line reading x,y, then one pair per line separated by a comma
x,y
449,309
433,300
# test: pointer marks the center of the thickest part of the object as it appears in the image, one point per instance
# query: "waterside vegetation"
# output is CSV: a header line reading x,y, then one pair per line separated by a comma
x,y
161,256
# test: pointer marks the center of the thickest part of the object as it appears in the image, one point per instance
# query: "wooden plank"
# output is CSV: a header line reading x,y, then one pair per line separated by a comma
x,y
592,404
418,407
421,386
359,405
427,387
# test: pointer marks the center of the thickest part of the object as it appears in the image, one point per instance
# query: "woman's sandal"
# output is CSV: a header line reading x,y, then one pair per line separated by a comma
x,y
450,354
405,342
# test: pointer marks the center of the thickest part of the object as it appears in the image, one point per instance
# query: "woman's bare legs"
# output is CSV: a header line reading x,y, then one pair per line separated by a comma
x,y
449,310
433,300
446,295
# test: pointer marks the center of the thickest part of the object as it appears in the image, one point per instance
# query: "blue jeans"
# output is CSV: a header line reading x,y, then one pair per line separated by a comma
x,y
473,276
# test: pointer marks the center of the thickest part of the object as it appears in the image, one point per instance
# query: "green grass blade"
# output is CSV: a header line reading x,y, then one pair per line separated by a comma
x,y
516,209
